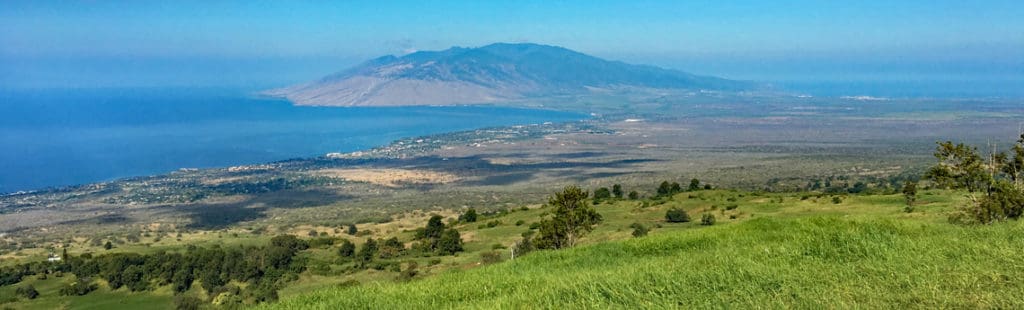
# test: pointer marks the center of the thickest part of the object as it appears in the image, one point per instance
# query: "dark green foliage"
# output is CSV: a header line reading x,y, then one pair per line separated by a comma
x,y
694,185
676,188
391,248
434,228
80,287
27,291
732,207
617,191
633,195
469,216
572,218
490,257
676,215
108,245
639,230
909,195
1004,201
450,242
520,222
352,230
187,302
837,200
347,249
959,166
368,251
493,223
707,219
667,189
602,194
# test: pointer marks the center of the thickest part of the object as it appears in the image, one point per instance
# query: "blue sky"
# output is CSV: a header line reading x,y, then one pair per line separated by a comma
x,y
258,44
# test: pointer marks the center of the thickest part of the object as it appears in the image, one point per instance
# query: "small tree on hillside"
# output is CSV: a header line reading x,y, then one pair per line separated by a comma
x,y
602,194
633,195
469,216
910,195
573,217
450,242
352,229
435,226
347,249
694,185
617,191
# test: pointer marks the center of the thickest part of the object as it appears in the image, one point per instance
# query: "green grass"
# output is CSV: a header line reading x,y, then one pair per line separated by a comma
x,y
862,253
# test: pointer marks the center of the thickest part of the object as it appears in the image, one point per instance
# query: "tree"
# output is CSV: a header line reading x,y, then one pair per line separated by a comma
x,y
633,195
602,194
434,228
617,191
676,215
664,188
910,195
391,248
694,185
675,188
469,216
959,166
352,230
368,251
347,249
108,245
572,218
450,242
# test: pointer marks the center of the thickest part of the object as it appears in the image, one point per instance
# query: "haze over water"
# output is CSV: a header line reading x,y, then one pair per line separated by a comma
x,y
56,138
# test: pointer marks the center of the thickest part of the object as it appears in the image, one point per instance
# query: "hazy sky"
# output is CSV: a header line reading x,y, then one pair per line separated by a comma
x,y
258,44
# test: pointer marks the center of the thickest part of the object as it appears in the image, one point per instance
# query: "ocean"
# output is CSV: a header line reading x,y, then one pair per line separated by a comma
x,y
52,138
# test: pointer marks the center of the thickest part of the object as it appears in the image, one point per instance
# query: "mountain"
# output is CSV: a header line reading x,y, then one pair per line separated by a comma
x,y
493,73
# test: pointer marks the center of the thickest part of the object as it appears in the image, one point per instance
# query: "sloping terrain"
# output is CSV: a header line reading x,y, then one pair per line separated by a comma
x,y
493,73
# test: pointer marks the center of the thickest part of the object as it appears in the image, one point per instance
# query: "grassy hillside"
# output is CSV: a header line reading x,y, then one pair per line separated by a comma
x,y
863,252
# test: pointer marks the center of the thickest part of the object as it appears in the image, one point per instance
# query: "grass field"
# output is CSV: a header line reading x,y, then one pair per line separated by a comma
x,y
772,250
861,253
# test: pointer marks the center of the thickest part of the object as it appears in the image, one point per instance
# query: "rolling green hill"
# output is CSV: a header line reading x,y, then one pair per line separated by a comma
x,y
862,253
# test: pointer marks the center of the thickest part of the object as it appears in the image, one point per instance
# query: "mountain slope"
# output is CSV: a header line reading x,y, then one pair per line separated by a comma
x,y
493,73
812,262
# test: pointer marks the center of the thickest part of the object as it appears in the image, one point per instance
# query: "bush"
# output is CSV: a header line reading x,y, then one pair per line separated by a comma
x,y
732,207
490,257
469,216
633,195
347,249
78,288
707,219
184,302
520,222
639,230
837,200
676,215
27,291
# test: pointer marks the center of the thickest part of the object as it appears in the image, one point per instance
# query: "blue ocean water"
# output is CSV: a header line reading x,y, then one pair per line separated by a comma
x,y
56,138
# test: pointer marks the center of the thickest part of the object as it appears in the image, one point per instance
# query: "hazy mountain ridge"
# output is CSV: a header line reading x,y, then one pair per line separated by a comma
x,y
493,73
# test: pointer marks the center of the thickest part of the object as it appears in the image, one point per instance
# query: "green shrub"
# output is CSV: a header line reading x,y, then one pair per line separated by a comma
x,y
490,257
27,291
676,215
707,219
639,230
469,216
520,222
837,200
